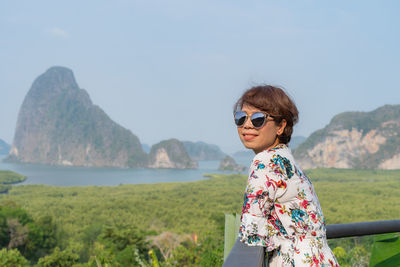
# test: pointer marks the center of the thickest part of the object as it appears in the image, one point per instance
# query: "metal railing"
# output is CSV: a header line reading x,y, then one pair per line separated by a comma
x,y
243,255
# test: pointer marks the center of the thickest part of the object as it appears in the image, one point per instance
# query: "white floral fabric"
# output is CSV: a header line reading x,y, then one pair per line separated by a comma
x,y
282,213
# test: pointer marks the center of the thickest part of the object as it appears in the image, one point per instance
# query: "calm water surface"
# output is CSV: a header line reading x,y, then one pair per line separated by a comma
x,y
80,176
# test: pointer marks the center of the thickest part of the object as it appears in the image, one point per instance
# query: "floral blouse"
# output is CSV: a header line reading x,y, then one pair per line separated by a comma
x,y
282,213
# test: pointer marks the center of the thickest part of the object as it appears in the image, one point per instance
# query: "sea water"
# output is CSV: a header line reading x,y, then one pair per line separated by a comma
x,y
81,176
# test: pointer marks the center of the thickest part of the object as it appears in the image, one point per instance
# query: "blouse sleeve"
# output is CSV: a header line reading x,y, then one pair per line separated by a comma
x,y
264,185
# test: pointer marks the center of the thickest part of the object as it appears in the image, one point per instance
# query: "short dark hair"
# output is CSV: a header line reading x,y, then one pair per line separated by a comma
x,y
274,101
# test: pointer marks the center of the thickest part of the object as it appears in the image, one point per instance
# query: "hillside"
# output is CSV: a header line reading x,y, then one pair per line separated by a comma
x,y
58,124
365,140
203,151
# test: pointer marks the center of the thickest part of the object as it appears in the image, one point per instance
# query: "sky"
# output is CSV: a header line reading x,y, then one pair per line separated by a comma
x,y
174,69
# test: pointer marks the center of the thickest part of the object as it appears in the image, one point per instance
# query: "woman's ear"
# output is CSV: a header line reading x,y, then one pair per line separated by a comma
x,y
282,126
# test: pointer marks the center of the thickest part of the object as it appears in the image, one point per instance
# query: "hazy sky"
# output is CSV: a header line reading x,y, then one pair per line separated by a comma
x,y
174,68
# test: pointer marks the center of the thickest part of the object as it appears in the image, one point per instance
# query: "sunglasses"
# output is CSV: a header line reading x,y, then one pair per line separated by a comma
x,y
258,119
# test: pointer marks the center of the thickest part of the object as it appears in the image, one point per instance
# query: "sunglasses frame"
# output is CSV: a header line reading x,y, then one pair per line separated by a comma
x,y
266,116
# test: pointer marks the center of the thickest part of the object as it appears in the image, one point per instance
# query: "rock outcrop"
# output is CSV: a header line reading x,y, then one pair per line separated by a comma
x,y
203,151
367,140
229,164
170,154
4,147
59,125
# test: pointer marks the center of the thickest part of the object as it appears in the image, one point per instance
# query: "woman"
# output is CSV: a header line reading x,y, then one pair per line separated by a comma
x,y
281,210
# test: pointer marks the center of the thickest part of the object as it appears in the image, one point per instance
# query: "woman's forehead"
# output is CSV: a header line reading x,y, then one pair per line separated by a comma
x,y
250,109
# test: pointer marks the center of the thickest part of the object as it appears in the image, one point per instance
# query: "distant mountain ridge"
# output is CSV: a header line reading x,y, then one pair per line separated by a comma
x,y
59,125
366,140
203,151
146,148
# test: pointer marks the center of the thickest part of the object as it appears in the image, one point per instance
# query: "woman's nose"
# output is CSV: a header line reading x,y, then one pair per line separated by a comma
x,y
247,123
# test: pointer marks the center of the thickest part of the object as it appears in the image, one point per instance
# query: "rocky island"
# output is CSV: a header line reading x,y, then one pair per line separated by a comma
x,y
364,140
170,154
59,125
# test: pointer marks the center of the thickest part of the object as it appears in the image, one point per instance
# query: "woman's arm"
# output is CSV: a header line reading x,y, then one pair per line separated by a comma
x,y
264,184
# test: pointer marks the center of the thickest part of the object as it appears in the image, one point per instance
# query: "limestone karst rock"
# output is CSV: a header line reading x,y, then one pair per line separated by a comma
x,y
170,154
59,125
366,140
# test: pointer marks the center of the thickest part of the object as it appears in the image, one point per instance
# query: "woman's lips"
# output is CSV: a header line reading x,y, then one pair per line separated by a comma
x,y
249,136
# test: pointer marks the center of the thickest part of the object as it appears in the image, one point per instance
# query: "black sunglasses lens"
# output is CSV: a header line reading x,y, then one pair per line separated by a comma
x,y
240,118
258,119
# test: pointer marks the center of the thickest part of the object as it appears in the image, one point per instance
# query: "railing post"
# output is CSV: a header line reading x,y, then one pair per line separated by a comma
x,y
243,255
232,224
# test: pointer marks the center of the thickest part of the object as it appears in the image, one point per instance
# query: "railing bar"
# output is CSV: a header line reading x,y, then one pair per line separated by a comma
x,y
362,228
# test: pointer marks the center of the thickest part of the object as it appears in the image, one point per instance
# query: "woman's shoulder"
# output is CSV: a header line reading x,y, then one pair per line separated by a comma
x,y
281,150
278,160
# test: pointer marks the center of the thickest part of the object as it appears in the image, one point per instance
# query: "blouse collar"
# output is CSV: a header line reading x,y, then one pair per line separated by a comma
x,y
278,146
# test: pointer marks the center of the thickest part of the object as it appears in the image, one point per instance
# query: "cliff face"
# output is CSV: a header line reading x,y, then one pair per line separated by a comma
x,y
170,154
203,151
59,125
369,140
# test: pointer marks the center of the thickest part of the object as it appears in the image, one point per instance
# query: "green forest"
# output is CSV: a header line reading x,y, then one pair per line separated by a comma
x,y
9,177
170,224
